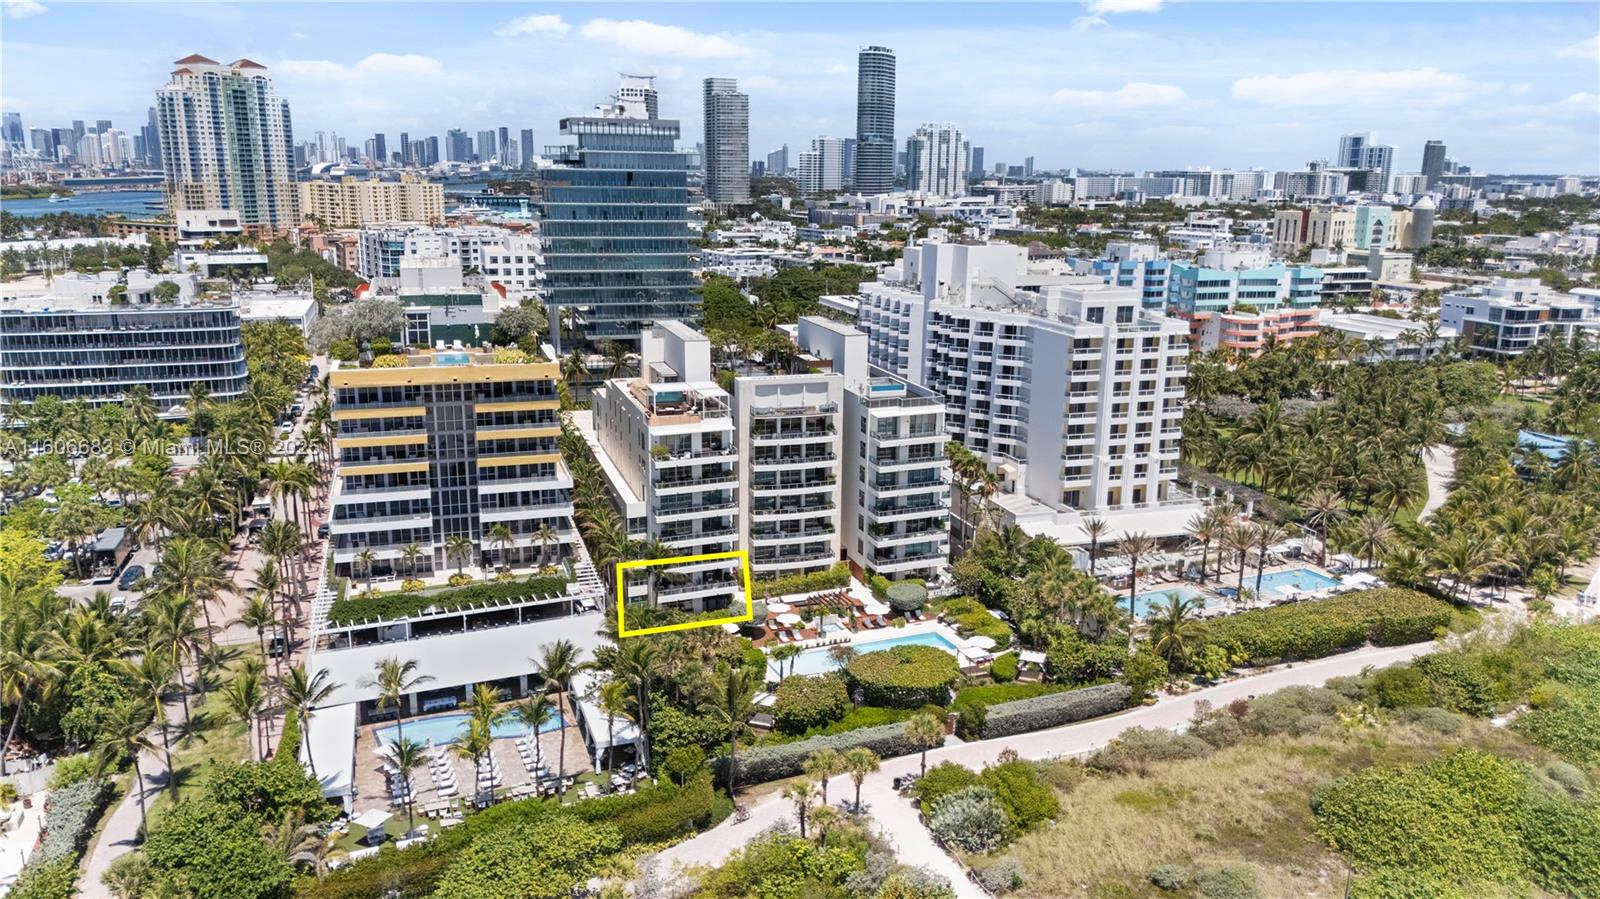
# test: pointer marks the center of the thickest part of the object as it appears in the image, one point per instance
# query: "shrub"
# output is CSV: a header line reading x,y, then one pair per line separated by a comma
x,y
543,858
1138,747
903,676
288,751
1053,710
69,817
969,721
460,579
914,883
389,360
411,585
343,350
765,763
1296,711
395,606
1075,661
1439,721
1568,728
1227,882
1169,878
1003,876
998,693
972,619
942,780
71,770
1027,799
1568,777
51,880
654,814
1004,668
834,578
906,596
807,702
970,819
1400,686
1457,682
1309,630
1563,846
1144,672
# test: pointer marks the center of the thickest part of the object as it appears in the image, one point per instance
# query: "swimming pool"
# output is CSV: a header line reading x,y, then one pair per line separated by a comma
x,y
452,359
817,661
1307,580
443,729
1144,602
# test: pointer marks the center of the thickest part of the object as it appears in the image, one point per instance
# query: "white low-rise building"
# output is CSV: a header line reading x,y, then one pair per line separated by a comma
x,y
295,307
1392,338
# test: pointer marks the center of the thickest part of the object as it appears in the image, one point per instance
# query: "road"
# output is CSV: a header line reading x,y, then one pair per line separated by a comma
x,y
897,820
1440,461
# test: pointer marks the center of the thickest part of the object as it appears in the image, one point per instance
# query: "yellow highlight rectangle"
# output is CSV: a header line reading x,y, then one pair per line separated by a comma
x,y
743,555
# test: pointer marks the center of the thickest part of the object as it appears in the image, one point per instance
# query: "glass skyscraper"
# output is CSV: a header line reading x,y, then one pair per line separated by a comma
x,y
727,153
873,171
616,226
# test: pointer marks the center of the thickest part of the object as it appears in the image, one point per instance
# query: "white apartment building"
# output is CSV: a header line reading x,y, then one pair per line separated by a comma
x,y
1508,316
509,258
937,160
896,477
353,202
665,441
822,166
788,420
1066,385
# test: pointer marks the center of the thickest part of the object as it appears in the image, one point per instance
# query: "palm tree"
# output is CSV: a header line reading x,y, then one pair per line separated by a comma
x,y
1324,507
173,626
501,538
244,697
366,561
532,713
457,550
635,664
472,747
1095,528
410,553
1372,533
613,698
735,688
859,762
259,615
802,794
925,732
1266,534
122,735
824,764
1204,528
781,653
304,693
1238,539
190,568
544,536
394,679
26,669
1175,630
1135,546
557,663
150,680
408,756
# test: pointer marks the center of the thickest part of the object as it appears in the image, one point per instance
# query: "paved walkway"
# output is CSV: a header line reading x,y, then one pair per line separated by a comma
x,y
1440,461
121,833
896,817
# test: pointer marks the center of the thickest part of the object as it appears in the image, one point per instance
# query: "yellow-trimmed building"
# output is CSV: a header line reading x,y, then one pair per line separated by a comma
x,y
452,444
354,202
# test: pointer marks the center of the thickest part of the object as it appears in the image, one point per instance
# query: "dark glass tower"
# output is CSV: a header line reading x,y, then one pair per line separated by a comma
x,y
616,227
875,147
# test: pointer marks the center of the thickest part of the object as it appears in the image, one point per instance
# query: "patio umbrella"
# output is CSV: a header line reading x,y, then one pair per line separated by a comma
x,y
983,641
790,618
371,819
778,607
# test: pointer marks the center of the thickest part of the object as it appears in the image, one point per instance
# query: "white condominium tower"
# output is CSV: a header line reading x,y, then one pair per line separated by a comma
x,y
822,166
665,441
727,159
227,142
936,160
1066,384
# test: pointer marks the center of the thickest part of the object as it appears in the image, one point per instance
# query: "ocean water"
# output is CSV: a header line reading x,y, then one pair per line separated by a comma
x,y
128,203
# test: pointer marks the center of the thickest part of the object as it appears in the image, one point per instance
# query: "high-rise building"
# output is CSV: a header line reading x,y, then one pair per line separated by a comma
x,y
78,131
1433,162
380,148
847,158
12,132
615,225
228,142
727,153
457,146
526,144
101,126
430,148
976,169
353,202
1352,150
405,149
778,161
640,89
152,139
1379,158
822,166
502,144
873,172
936,160
486,149
1027,167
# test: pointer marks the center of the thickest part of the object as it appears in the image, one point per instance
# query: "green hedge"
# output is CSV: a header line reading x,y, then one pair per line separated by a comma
x,y
766,763
399,606
972,619
997,694
1004,668
1389,616
903,676
1053,710
69,817
835,578
807,702
52,880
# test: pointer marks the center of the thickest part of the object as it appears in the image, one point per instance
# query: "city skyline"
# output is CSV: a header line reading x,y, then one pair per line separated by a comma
x,y
1153,86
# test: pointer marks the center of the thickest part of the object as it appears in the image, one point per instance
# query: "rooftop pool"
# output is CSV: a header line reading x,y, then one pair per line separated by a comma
x,y
442,729
452,359
818,661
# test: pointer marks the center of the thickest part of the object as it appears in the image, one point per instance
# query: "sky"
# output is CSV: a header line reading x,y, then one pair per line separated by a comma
x,y
1129,84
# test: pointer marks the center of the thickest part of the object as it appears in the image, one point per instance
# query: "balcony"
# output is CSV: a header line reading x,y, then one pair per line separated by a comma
x,y
781,512
815,459
790,436
787,561
685,457
770,535
666,485
780,487
674,512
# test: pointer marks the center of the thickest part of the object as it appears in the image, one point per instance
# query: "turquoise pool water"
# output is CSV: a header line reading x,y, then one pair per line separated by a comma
x,y
452,359
1144,602
1306,579
817,661
450,728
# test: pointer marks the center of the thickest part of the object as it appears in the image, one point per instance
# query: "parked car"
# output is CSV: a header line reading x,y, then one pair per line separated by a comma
x,y
118,605
130,576
322,531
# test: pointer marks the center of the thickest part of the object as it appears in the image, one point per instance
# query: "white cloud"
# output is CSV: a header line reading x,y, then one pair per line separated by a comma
x,y
299,35
400,64
666,40
1103,7
1133,95
539,24
310,68
1588,48
21,9
1352,87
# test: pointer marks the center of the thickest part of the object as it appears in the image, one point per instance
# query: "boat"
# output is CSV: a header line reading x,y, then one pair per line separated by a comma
x,y
57,198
